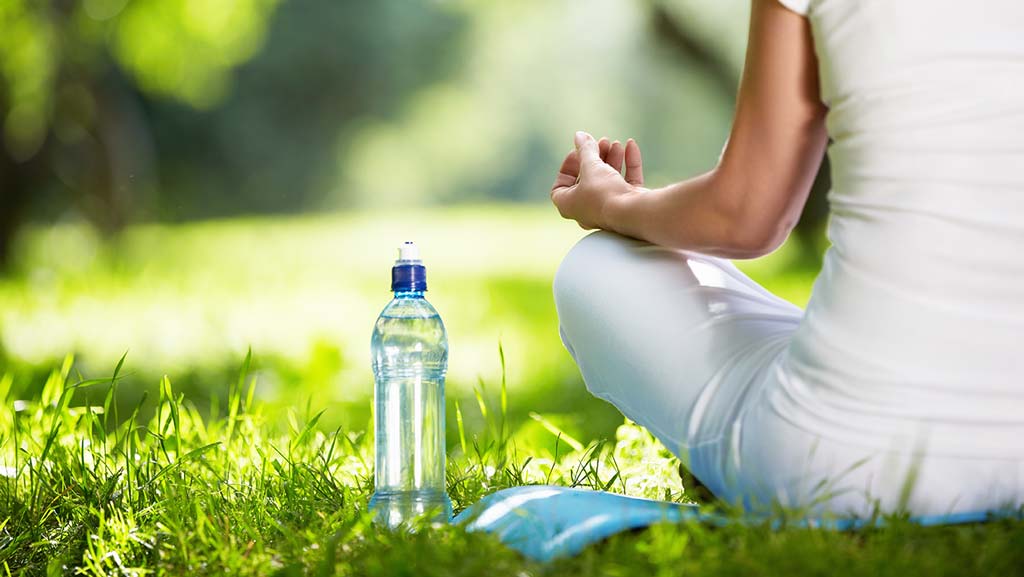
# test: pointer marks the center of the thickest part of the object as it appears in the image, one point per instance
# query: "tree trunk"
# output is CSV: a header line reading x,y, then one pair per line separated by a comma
x,y
14,196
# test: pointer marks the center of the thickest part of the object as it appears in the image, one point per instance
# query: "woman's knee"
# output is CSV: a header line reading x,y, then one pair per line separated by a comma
x,y
589,265
576,270
579,286
605,272
584,277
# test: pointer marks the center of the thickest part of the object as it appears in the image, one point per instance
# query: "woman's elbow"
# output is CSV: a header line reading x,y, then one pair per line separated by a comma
x,y
757,240
754,231
751,231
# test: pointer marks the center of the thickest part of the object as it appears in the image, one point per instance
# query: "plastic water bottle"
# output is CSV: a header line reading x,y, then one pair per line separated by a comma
x,y
410,357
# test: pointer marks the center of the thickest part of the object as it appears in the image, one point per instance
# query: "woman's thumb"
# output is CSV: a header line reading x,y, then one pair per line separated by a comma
x,y
587,147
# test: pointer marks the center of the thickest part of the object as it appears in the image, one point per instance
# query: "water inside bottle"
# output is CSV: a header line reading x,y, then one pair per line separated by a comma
x,y
410,352
410,419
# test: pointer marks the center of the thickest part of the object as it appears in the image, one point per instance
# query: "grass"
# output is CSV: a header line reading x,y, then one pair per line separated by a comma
x,y
267,469
86,490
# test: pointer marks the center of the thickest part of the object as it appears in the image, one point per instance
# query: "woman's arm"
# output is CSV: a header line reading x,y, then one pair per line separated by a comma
x,y
747,205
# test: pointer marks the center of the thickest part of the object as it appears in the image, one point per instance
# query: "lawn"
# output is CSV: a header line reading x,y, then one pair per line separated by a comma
x,y
303,293
250,466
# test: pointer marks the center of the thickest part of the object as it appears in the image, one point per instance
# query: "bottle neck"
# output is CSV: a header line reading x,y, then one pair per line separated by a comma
x,y
410,294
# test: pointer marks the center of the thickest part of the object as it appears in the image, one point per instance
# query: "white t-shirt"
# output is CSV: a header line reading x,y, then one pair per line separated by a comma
x,y
917,317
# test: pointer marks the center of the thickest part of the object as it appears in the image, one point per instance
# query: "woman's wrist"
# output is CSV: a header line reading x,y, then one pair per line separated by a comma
x,y
615,214
666,216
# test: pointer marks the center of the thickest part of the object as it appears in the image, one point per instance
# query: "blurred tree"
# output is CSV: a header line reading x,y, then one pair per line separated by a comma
x,y
115,110
124,109
72,121
271,145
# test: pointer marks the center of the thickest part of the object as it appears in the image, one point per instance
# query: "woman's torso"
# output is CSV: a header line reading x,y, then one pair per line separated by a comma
x,y
916,324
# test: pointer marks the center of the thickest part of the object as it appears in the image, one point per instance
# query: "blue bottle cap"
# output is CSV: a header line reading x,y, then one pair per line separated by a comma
x,y
408,274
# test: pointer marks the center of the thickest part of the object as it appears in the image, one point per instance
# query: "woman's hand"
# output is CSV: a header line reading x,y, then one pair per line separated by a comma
x,y
590,180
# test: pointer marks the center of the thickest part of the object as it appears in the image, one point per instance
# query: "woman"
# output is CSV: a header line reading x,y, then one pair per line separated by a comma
x,y
900,387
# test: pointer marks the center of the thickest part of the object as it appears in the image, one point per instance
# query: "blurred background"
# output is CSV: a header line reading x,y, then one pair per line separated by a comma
x,y
185,179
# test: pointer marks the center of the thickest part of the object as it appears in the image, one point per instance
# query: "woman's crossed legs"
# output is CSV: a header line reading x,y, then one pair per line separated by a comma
x,y
692,349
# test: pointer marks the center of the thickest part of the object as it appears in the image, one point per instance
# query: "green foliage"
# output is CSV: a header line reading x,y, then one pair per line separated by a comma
x,y
184,49
179,109
27,69
187,48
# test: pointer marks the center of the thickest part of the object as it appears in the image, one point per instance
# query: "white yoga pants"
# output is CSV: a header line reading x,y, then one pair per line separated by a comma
x,y
689,347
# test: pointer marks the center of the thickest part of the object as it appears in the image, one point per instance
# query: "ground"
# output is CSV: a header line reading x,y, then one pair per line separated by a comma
x,y
255,465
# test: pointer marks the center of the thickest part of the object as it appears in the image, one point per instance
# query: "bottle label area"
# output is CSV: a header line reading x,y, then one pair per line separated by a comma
x,y
409,431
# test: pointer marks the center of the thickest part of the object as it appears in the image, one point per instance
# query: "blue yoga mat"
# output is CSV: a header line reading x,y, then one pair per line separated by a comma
x,y
544,522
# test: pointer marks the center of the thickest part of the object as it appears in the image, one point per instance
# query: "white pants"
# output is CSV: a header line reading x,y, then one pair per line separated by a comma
x,y
689,347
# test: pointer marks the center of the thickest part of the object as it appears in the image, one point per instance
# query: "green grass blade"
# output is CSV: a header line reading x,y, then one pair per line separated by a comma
x,y
557,432
461,426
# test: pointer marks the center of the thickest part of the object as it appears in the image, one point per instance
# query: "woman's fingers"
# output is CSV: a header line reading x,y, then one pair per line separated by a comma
x,y
602,147
587,149
616,153
569,171
634,163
